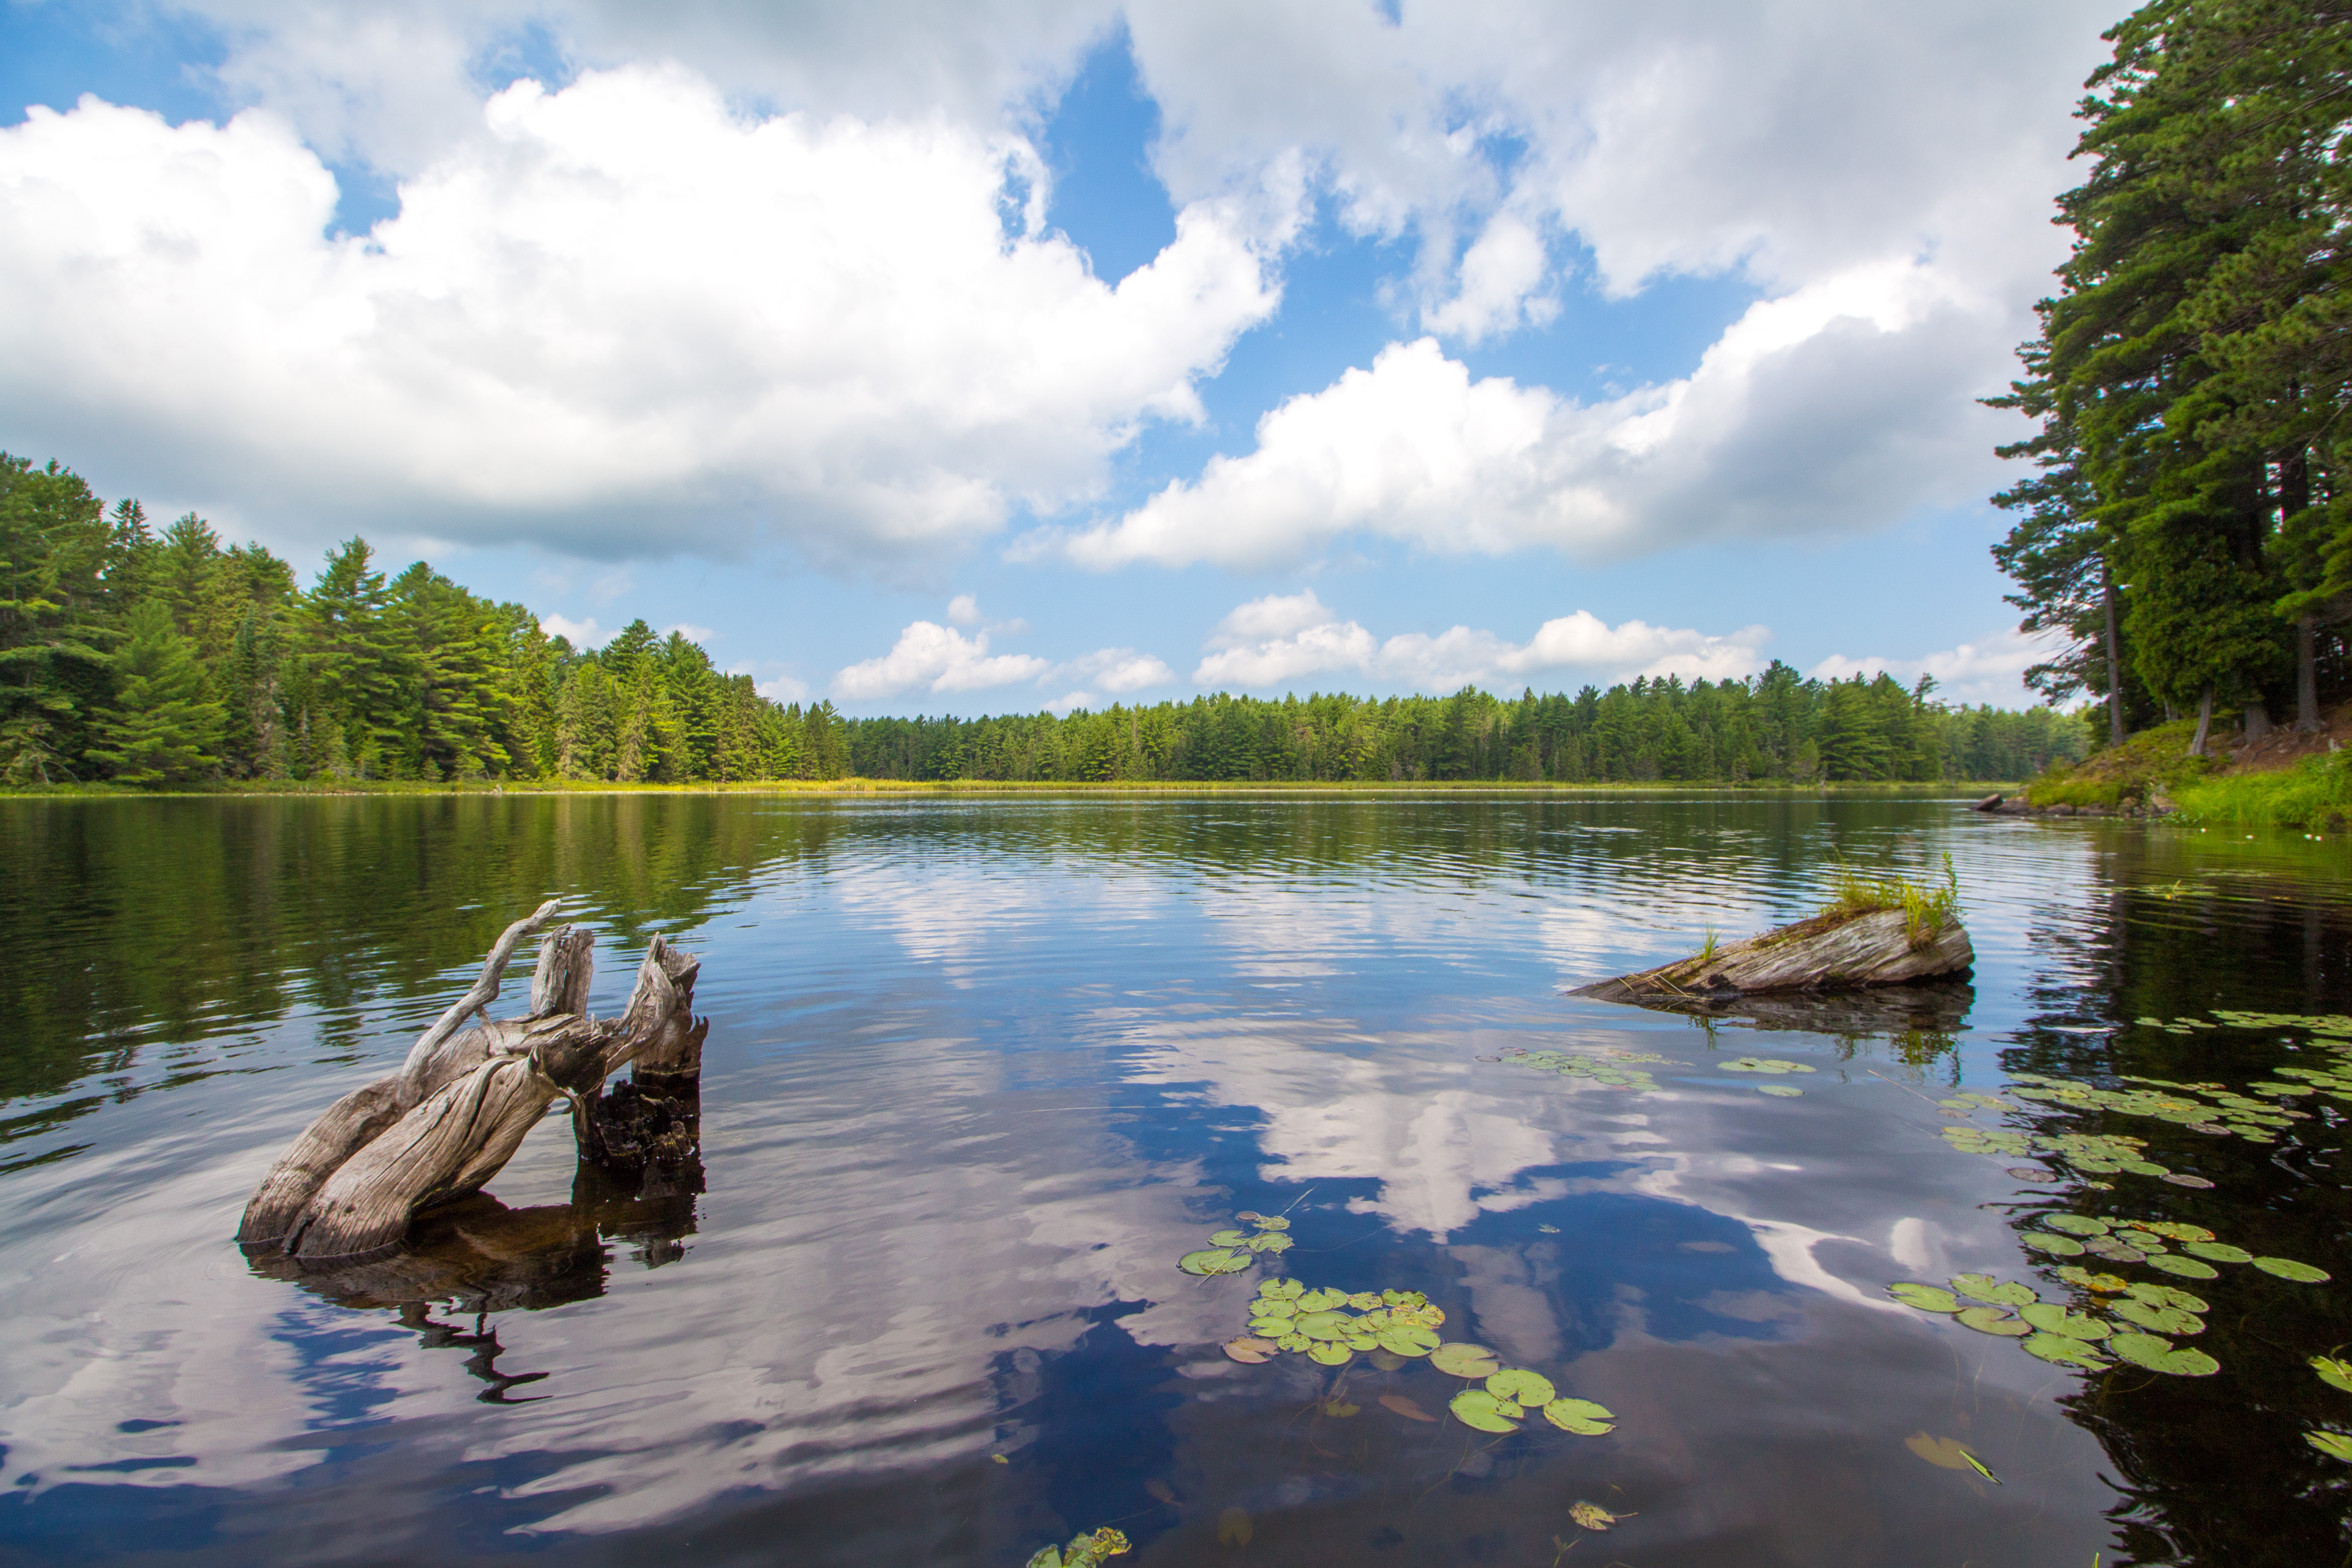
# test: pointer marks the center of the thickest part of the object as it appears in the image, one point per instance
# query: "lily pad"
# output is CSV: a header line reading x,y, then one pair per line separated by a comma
x,y
2106,1284
1281,1290
2182,1179
1214,1260
2075,1224
1460,1359
1273,1222
1782,1089
2159,1319
2334,1445
1405,1407
2052,1317
1228,1237
2064,1349
1324,1325
1251,1351
2000,1292
2168,1296
2217,1252
1592,1516
1364,1300
2177,1230
2333,1372
1992,1320
1476,1408
1324,1354
2163,1355
1274,1328
1322,1301
1408,1340
1927,1298
2031,1173
2055,1246
1294,1342
1268,1241
2288,1269
1582,1416
2187,1267
1519,1388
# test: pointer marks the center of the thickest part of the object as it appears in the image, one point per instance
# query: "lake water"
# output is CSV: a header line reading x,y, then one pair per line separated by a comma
x,y
981,1071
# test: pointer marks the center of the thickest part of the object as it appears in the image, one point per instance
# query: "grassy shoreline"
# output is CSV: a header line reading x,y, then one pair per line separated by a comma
x,y
269,789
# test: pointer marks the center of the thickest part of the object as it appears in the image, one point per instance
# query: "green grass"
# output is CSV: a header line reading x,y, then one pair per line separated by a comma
x,y
2152,762
1925,909
2315,793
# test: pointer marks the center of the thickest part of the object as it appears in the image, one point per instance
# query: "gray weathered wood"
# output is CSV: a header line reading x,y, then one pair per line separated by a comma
x,y
1825,953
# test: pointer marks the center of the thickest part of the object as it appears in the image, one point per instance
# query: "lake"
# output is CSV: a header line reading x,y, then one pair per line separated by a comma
x,y
981,1071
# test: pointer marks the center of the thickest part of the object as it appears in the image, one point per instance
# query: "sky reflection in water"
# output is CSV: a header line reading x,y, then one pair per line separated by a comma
x,y
981,1071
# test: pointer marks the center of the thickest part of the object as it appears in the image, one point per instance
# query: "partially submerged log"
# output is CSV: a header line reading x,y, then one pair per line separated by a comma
x,y
1827,952
460,1105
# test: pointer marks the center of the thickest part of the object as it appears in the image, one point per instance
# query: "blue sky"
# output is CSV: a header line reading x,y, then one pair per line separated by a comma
x,y
982,357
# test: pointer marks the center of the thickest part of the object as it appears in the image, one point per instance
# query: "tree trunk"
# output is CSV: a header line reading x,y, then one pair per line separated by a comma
x,y
1828,953
2204,724
2115,659
2307,675
2257,720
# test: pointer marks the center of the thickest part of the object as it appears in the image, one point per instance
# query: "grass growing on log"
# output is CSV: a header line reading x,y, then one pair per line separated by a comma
x,y
1925,909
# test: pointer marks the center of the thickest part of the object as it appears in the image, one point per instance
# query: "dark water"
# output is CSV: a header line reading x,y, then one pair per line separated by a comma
x,y
979,1071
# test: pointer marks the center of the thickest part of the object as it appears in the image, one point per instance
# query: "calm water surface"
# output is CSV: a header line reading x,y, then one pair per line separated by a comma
x,y
979,1071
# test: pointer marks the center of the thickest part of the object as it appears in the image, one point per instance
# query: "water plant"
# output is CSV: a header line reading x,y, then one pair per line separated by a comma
x,y
1083,1552
1608,1069
1925,909
1231,1251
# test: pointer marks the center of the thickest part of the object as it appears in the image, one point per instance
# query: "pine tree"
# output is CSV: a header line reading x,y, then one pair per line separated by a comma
x,y
161,729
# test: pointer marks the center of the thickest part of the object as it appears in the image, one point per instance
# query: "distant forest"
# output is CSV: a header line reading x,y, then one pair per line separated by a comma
x,y
147,656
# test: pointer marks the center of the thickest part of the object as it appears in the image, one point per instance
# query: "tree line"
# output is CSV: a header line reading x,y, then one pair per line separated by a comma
x,y
151,656
2187,527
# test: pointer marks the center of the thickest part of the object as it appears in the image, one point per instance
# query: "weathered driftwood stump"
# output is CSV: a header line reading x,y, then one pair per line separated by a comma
x,y
1827,952
454,1114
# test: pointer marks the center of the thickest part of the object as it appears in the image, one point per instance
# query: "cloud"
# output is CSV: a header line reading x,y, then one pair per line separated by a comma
x,y
620,318
1271,641
1498,275
963,610
584,634
937,659
1117,671
691,632
1990,669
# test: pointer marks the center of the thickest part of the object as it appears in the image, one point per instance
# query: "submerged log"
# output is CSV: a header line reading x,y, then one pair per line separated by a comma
x,y
462,1103
1827,952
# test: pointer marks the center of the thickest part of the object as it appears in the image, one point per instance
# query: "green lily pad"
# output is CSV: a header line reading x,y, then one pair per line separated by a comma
x,y
1457,1359
1281,1290
2217,1252
1214,1260
1927,1298
1322,1301
1324,1325
1273,1222
1782,1089
2052,1317
1268,1241
2055,1246
2064,1349
1992,1320
2147,1168
1364,1300
2159,1319
1529,1388
1251,1351
1294,1342
1476,1408
1328,1354
2333,1372
1228,1237
2000,1292
2107,1284
1582,1416
1274,1328
2177,1230
2186,1268
2163,1355
2334,1445
2168,1296
2075,1224
1405,1299
1408,1340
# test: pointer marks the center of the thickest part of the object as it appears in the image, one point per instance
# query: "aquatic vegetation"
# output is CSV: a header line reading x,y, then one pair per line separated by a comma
x,y
1610,1070
2334,1373
1763,1064
1592,1516
1083,1552
1925,909
1231,1251
1947,1454
2334,1445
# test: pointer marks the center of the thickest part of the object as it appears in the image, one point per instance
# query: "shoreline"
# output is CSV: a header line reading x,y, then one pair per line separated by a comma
x,y
349,788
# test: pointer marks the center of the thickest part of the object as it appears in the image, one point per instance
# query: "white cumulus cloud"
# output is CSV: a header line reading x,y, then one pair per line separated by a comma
x,y
580,634
1118,671
939,660
1989,669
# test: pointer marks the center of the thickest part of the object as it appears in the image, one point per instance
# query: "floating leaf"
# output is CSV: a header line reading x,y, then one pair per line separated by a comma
x,y
2162,1355
1522,1387
1324,1325
1460,1359
2288,1269
1251,1351
2177,1230
2052,1317
1281,1290
1782,1089
2000,1292
1214,1260
1927,1298
1405,1299
2056,1245
2075,1224
1364,1300
2334,1445
1339,1409
1475,1407
1944,1452
1408,1340
1228,1239
1992,1320
1233,1528
1405,1407
1269,1222
2335,1374
1268,1241
2218,1252
2182,1179
1582,1416
1322,1301
2032,1173
1592,1516
1980,1467
2107,1284
2063,1348
2187,1267
1324,1354
2157,1319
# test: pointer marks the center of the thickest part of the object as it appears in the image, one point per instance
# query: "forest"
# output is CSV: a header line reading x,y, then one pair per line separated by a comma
x,y
2186,526
147,657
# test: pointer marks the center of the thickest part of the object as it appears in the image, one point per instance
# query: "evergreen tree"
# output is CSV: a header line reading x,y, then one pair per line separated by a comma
x,y
161,729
